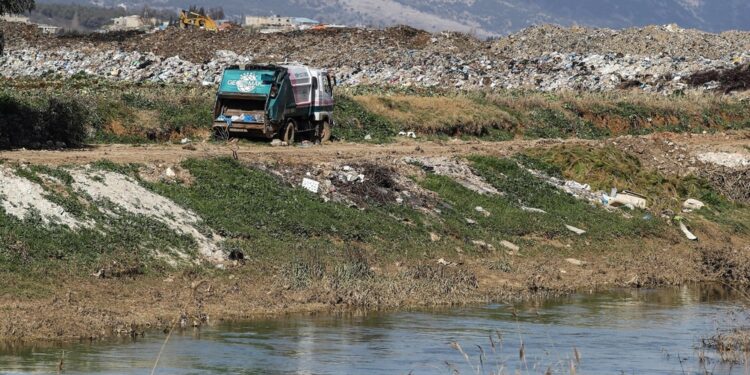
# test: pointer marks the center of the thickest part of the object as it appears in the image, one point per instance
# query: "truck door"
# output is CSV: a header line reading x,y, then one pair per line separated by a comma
x,y
277,106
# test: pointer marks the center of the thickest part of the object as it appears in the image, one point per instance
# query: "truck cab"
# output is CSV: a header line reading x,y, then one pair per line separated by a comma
x,y
275,101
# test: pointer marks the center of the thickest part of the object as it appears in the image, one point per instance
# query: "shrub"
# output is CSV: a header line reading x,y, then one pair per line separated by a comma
x,y
55,123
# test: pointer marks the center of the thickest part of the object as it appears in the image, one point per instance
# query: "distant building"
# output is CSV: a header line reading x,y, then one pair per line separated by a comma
x,y
134,22
301,21
272,21
49,29
14,18
278,23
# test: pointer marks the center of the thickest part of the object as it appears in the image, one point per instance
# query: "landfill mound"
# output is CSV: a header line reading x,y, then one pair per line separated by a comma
x,y
650,40
546,58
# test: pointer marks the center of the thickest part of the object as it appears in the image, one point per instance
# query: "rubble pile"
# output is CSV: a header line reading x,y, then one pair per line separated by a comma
x,y
116,65
359,184
669,40
547,58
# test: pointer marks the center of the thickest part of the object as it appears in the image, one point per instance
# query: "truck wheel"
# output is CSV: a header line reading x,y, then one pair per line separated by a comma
x,y
289,133
220,134
324,131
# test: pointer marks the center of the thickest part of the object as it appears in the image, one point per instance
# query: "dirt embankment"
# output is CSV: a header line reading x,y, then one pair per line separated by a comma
x,y
122,300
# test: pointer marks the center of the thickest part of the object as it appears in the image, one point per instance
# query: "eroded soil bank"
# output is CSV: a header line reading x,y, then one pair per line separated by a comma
x,y
391,226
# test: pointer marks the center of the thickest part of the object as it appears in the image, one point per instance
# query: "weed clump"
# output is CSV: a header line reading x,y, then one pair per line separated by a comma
x,y
446,279
354,266
304,269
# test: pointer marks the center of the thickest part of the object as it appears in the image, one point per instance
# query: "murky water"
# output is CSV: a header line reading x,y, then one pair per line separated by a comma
x,y
621,332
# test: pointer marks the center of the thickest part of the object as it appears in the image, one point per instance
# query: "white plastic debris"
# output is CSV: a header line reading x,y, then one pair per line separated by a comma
x,y
577,185
628,199
575,230
534,210
691,205
482,211
575,262
690,236
509,245
310,185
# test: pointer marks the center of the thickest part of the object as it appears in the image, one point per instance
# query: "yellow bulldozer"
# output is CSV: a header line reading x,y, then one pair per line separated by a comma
x,y
190,19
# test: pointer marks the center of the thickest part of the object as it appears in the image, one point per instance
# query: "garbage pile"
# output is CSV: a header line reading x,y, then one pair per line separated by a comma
x,y
546,58
116,65
669,40
359,185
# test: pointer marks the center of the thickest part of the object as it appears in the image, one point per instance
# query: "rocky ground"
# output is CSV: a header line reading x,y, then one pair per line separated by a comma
x,y
548,58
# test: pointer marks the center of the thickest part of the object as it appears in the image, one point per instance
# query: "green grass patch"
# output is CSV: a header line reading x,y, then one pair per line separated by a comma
x,y
550,123
354,122
245,202
606,167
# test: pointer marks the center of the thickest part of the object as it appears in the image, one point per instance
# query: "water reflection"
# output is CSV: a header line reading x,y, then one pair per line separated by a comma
x,y
634,331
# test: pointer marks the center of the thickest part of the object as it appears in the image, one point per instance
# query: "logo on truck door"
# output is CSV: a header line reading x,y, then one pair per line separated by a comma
x,y
247,82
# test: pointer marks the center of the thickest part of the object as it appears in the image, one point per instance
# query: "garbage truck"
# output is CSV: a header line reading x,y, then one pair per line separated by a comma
x,y
281,101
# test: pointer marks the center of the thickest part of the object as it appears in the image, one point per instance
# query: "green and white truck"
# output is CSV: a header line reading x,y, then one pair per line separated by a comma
x,y
275,101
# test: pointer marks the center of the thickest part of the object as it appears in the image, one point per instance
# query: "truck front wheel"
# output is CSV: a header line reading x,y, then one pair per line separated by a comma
x,y
289,132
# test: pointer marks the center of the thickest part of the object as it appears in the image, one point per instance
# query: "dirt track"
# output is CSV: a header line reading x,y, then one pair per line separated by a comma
x,y
651,149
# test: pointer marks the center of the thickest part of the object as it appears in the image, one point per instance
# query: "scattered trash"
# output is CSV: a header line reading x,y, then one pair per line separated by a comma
x,y
509,245
444,262
482,211
434,237
534,210
310,185
483,245
690,236
627,198
691,205
368,137
470,221
185,141
725,159
456,169
575,262
277,142
575,230
577,185
169,172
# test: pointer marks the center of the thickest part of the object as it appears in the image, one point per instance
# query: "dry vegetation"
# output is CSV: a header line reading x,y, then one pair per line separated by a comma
x,y
449,115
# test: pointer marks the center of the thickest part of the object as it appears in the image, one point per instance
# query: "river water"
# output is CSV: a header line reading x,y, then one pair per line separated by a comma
x,y
618,332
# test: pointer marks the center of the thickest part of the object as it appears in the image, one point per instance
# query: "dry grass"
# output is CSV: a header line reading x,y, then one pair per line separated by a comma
x,y
438,115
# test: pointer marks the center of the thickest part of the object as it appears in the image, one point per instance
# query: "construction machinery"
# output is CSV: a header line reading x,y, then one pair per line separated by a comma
x,y
190,19
275,101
